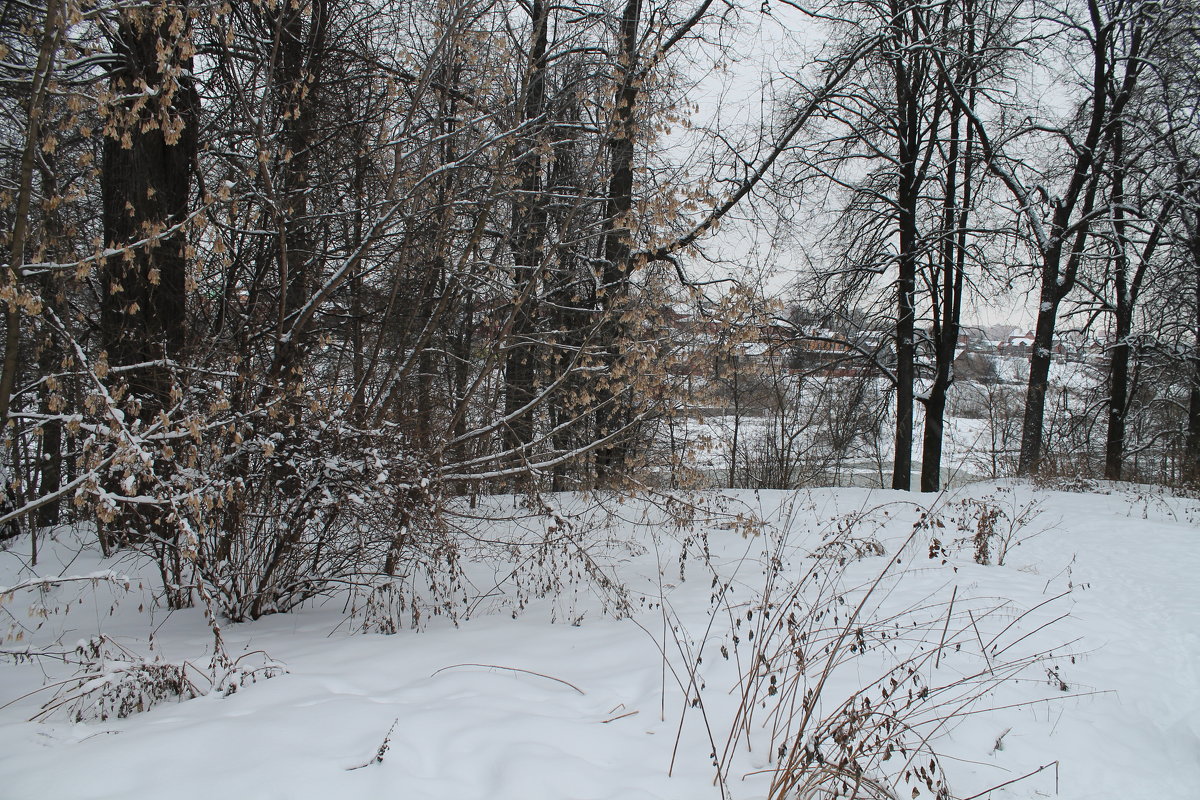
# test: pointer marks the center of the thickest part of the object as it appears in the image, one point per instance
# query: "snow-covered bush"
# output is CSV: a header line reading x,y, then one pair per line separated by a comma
x,y
325,506
114,681
112,678
256,507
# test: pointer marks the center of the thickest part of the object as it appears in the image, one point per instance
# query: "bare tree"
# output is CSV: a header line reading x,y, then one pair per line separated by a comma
x,y
1059,204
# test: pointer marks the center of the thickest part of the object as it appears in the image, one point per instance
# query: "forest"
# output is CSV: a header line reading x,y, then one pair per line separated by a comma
x,y
315,303
284,280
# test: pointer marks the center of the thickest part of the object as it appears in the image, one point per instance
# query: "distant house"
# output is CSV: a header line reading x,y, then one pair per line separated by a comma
x,y
999,333
1021,346
974,340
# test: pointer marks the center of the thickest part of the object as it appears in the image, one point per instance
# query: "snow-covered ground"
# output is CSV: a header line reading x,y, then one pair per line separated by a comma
x,y
1080,656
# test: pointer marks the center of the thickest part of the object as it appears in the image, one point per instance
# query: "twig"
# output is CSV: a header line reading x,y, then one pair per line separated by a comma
x,y
1014,780
513,669
949,613
982,646
1026,704
1032,632
383,748
56,580
1026,613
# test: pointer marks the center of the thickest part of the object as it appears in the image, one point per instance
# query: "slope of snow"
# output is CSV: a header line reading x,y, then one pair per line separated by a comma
x,y
524,708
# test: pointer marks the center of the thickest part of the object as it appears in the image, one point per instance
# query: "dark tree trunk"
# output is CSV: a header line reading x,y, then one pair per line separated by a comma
x,y
1118,402
460,385
948,309
1056,283
569,306
50,354
529,229
1127,285
1191,467
146,180
613,412
905,367
931,450
1123,299
145,186
50,469
1039,371
1192,446
948,324
17,237
298,80
907,75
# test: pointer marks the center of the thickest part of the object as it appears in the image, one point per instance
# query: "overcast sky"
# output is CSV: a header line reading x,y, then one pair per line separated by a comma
x,y
734,95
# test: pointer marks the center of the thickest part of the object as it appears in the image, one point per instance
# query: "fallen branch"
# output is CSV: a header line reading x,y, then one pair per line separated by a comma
x,y
513,669
1015,780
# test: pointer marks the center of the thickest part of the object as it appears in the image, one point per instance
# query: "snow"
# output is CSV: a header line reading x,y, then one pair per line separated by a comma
x,y
521,707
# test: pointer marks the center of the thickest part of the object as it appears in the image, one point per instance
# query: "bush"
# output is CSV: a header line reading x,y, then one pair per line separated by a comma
x,y
845,692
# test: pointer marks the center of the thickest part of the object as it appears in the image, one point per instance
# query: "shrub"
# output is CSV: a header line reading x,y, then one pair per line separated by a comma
x,y
846,693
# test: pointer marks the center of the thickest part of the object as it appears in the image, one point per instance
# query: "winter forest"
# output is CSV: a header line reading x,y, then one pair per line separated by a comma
x,y
817,382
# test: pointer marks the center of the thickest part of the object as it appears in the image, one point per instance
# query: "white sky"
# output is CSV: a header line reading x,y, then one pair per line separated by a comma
x,y
731,99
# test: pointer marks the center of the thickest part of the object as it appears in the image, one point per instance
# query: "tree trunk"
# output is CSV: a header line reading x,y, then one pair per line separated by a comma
x,y
20,231
50,356
50,457
1123,300
529,226
1056,283
1118,403
612,412
1191,469
302,49
948,311
931,450
907,200
1039,372
146,181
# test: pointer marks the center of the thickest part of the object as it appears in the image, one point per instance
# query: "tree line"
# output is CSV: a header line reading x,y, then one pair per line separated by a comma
x,y
985,145
282,278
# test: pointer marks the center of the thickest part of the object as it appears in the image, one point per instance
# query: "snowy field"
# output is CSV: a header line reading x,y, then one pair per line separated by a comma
x,y
759,629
